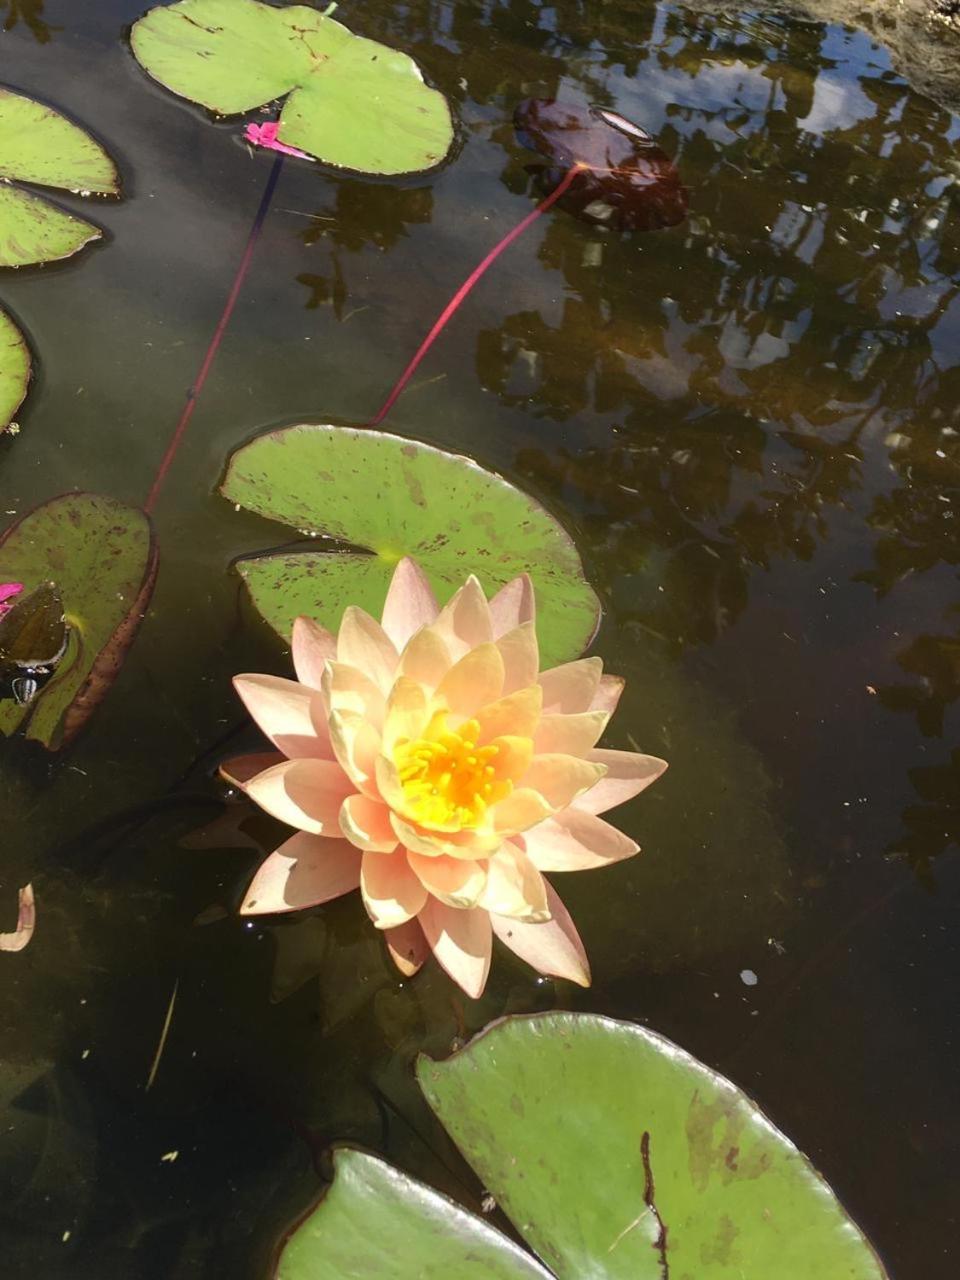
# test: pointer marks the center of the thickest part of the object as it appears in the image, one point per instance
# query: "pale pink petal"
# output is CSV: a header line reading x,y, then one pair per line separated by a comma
x,y
305,871
407,714
467,844
517,714
552,948
514,887
521,657
344,688
240,769
464,621
473,681
312,647
572,735
303,793
560,778
628,773
366,824
356,745
410,603
608,694
426,658
456,882
391,892
572,687
363,643
520,810
388,783
292,715
407,946
513,758
573,840
513,605
461,941
26,921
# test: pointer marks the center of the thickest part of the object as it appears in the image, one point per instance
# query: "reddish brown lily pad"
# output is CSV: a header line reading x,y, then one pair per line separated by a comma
x,y
627,182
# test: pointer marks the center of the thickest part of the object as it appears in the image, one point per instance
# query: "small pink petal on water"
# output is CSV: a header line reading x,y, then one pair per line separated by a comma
x,y
26,922
265,135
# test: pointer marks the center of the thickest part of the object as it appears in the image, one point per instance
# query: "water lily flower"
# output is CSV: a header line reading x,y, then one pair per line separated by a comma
x,y
8,591
428,761
265,135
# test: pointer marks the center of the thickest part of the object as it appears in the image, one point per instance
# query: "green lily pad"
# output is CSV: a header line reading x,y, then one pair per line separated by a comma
x,y
376,1221
353,102
399,497
613,1153
102,556
14,369
40,146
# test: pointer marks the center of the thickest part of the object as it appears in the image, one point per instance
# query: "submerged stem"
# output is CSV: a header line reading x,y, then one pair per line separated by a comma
x,y
472,279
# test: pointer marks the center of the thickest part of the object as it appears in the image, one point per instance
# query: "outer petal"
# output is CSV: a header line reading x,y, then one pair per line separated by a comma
x,y
407,713
515,887
312,647
290,714
464,621
572,687
521,657
363,643
426,658
240,769
303,793
410,602
345,688
356,745
461,941
513,605
628,773
473,681
576,841
518,714
407,946
552,948
391,892
455,881
305,871
608,694
560,778
366,824
572,735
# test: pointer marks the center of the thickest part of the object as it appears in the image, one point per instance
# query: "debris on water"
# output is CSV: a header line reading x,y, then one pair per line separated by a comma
x,y
748,978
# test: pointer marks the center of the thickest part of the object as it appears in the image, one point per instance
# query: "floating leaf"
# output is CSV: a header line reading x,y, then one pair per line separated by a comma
x,y
14,369
353,102
399,497
38,145
377,1221
102,557
614,1154
625,181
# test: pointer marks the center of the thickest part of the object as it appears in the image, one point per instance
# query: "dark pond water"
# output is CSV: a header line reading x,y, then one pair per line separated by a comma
x,y
749,422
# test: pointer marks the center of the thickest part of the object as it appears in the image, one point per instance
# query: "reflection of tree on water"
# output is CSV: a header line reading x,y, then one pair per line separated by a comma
x,y
29,12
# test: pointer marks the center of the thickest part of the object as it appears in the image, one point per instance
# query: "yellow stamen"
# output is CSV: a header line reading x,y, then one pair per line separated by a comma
x,y
448,781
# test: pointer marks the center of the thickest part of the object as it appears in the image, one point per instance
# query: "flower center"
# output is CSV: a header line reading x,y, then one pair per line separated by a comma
x,y
448,781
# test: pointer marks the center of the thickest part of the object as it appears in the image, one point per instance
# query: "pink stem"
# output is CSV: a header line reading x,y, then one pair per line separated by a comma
x,y
472,279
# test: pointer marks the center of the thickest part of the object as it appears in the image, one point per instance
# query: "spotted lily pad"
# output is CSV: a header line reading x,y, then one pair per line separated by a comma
x,y
397,497
41,147
14,369
625,180
101,555
352,102
614,1154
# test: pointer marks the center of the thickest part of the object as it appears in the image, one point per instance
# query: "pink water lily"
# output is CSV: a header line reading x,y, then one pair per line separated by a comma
x,y
8,592
428,761
265,135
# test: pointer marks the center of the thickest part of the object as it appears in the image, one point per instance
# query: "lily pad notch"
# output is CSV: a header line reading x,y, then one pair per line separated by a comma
x,y
612,1151
395,497
351,102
